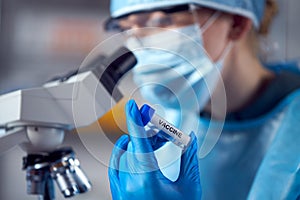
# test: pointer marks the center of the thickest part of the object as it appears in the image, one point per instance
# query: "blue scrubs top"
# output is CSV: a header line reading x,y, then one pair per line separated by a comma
x,y
246,161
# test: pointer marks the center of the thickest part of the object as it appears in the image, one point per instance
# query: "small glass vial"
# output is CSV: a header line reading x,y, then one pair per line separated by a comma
x,y
163,127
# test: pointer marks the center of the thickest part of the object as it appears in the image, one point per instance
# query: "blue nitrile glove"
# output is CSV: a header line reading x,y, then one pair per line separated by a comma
x,y
134,173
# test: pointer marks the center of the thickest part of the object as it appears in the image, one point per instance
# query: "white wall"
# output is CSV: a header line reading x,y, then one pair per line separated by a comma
x,y
284,36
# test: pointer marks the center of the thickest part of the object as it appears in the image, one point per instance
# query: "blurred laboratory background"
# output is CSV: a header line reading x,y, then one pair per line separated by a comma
x,y
45,38
41,39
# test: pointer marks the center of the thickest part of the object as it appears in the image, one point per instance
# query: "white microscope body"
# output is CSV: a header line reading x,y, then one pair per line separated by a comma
x,y
37,118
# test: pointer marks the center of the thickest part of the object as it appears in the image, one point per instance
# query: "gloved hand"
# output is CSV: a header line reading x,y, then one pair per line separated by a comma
x,y
134,172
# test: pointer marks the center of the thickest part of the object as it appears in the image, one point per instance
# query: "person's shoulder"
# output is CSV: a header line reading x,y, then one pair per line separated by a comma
x,y
291,112
285,90
288,80
292,75
294,98
285,84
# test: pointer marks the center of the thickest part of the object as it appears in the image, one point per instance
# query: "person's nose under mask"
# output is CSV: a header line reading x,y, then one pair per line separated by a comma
x,y
173,68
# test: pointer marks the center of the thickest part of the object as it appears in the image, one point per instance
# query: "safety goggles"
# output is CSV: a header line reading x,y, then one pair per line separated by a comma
x,y
170,17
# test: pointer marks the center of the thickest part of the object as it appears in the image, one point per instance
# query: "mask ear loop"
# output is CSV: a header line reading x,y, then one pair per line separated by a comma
x,y
131,35
226,51
208,23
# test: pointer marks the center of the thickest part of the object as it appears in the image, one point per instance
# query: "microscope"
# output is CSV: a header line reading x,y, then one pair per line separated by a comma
x,y
36,119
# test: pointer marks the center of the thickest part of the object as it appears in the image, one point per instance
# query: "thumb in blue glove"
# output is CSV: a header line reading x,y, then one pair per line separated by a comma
x,y
134,172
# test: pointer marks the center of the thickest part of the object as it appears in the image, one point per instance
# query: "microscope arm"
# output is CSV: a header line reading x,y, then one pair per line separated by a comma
x,y
12,138
75,102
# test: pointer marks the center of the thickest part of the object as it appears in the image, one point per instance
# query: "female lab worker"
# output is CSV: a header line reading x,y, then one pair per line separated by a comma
x,y
257,154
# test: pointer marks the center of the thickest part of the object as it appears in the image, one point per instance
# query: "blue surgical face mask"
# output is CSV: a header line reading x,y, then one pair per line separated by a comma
x,y
173,68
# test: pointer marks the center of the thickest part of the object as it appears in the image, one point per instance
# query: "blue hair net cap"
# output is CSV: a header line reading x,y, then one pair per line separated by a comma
x,y
252,9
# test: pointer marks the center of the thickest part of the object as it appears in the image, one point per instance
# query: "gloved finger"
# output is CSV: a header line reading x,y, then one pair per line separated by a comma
x,y
158,140
141,144
119,148
138,135
189,164
192,147
113,170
